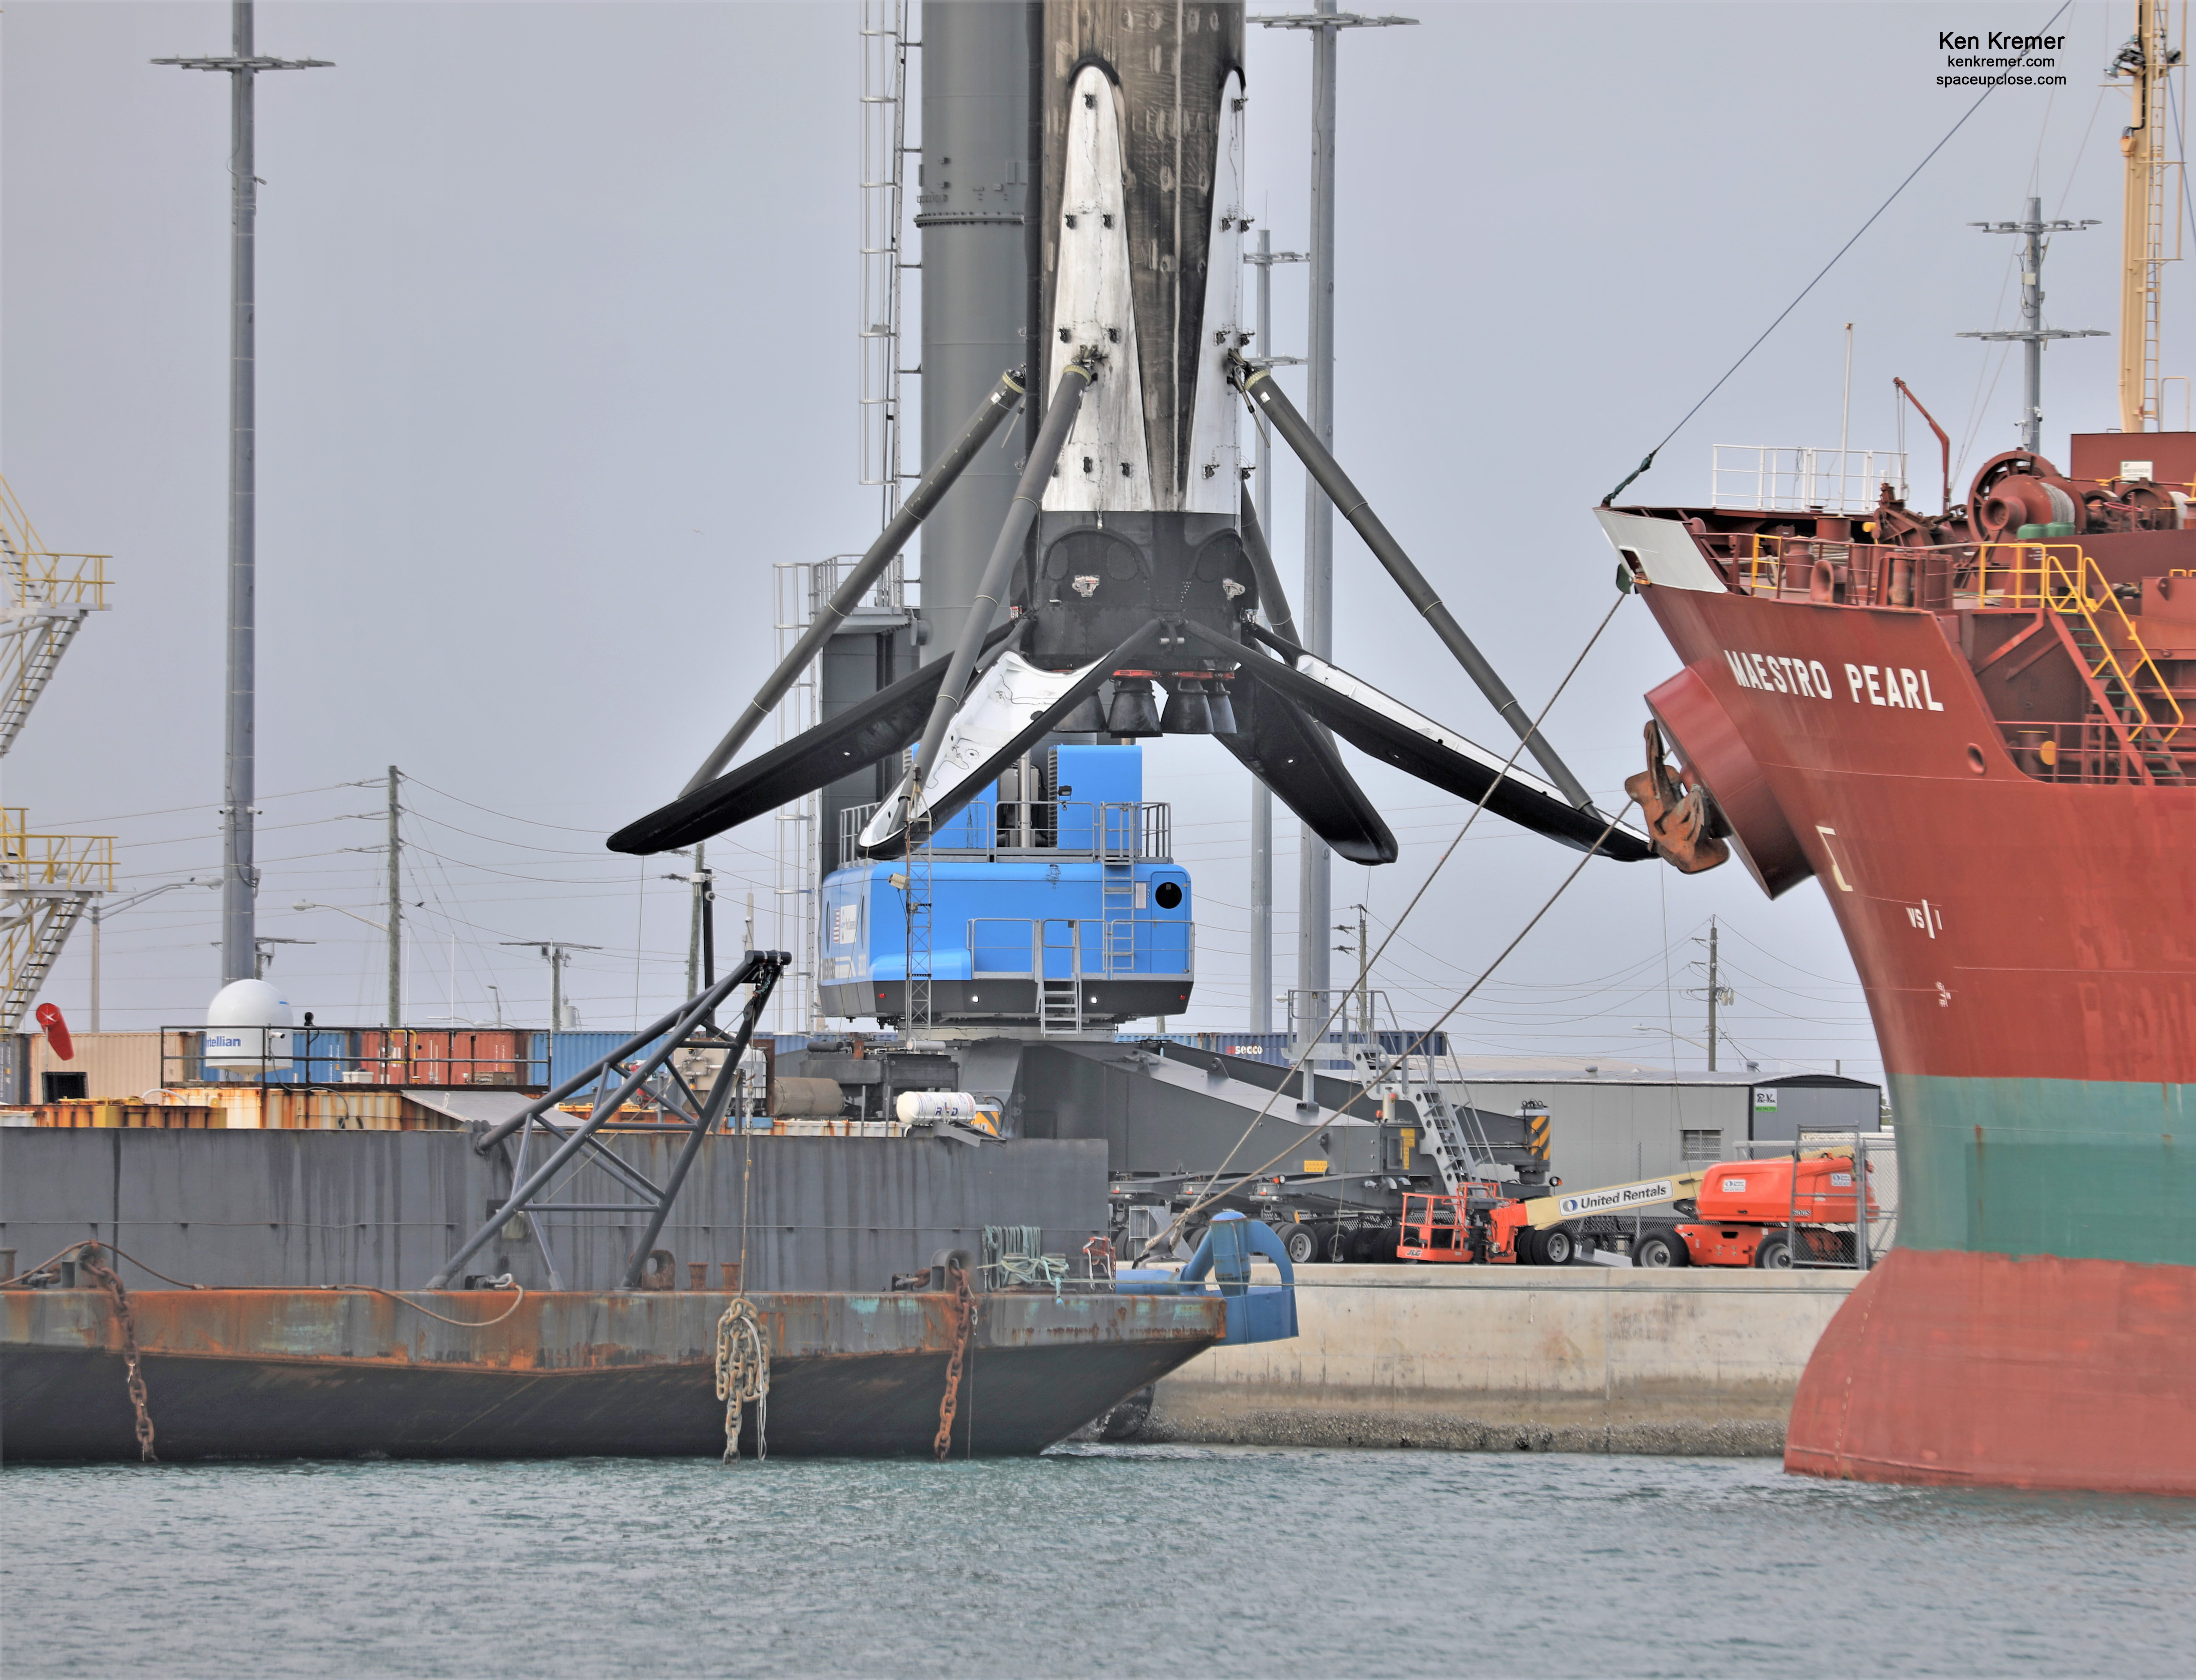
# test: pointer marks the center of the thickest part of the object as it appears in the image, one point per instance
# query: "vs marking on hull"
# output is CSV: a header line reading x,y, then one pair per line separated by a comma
x,y
1925,917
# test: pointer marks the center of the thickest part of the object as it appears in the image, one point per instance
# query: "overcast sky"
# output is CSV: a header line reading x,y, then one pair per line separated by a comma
x,y
556,338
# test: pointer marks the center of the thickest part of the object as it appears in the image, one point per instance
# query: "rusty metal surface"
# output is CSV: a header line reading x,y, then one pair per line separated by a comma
x,y
244,1373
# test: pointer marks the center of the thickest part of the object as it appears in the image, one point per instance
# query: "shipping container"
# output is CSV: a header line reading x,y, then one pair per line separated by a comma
x,y
115,1066
447,1056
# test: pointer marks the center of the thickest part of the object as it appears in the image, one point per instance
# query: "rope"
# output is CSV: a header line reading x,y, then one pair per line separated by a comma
x,y
1016,1253
90,1250
505,1281
1485,974
1199,1204
1649,460
743,1375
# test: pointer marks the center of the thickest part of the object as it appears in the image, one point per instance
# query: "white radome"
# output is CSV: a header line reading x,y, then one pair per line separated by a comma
x,y
248,1029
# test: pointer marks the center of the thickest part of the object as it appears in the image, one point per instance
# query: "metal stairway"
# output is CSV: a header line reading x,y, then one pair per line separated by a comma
x,y
1060,1007
34,927
46,881
37,635
2135,705
1411,1079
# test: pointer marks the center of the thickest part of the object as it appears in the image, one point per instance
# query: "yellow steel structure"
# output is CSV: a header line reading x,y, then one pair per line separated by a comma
x,y
44,597
46,881
2147,60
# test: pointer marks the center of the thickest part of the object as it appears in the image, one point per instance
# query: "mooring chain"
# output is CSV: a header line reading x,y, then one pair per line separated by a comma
x,y
88,1257
743,1375
964,1329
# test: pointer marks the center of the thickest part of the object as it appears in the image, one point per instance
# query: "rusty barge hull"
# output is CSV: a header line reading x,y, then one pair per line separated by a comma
x,y
285,1373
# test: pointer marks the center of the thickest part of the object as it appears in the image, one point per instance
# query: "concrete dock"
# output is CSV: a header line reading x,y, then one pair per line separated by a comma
x,y
1580,1359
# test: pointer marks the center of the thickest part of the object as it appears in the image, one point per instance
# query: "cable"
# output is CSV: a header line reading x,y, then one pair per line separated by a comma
x,y
1310,1040
1649,460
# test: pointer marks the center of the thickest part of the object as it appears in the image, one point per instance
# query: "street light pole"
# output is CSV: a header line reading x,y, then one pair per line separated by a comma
x,y
239,875
1315,617
1261,797
99,913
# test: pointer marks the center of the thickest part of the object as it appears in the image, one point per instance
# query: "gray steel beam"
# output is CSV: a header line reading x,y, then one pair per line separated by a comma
x,y
991,594
991,412
761,967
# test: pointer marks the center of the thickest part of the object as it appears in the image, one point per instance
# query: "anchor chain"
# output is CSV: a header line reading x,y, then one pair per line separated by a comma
x,y
88,1257
743,1375
964,1329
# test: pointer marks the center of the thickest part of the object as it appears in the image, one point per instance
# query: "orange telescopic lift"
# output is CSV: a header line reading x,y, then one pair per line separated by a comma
x,y
1767,1214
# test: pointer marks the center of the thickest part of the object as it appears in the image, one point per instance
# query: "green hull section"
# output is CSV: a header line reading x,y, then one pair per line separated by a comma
x,y
2082,1169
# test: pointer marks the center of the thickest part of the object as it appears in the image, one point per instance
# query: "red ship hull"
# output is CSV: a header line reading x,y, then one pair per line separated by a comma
x,y
2027,945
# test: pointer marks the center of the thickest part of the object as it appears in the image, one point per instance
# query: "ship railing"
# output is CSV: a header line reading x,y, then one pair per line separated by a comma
x,y
1801,480
1111,831
2087,750
1060,948
1846,574
2061,577
375,1057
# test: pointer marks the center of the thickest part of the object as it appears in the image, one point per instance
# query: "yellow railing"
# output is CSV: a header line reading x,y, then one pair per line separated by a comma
x,y
82,861
42,579
2061,577
37,576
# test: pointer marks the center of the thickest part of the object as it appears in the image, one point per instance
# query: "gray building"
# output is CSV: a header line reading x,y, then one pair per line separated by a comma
x,y
1611,1122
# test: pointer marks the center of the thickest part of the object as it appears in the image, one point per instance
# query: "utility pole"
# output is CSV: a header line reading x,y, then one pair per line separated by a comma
x,y
701,932
2032,335
556,954
1261,797
1364,969
1714,988
396,928
239,875
1316,616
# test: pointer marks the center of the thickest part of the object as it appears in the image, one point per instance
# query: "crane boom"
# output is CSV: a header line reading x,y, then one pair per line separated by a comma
x,y
2145,60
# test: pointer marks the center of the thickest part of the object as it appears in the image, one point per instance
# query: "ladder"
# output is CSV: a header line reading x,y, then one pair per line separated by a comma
x,y
916,1021
1444,1133
1060,997
1119,830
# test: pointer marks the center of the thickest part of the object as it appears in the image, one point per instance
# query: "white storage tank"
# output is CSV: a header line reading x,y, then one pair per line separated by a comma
x,y
247,1032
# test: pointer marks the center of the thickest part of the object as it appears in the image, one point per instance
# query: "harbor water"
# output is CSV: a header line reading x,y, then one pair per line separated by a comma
x,y
1087,1561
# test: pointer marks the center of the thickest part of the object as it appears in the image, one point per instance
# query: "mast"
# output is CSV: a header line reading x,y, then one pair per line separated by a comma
x,y
2145,59
2032,334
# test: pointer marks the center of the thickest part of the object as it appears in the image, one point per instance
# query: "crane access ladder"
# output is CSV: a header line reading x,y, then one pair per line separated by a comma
x,y
1411,1077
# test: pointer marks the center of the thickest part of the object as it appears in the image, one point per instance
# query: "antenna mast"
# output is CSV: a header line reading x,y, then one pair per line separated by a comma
x,y
2033,334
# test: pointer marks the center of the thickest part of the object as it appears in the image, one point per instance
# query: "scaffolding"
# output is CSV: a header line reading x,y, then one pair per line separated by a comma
x,y
885,48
